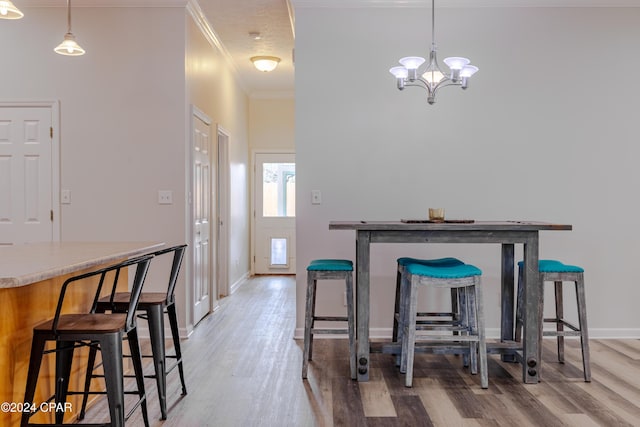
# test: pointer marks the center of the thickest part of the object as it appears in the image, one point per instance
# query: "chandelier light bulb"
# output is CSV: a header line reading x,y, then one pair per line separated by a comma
x,y
456,62
412,62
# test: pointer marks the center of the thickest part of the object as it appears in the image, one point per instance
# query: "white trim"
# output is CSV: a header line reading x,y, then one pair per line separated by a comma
x,y
108,3
200,19
223,210
236,285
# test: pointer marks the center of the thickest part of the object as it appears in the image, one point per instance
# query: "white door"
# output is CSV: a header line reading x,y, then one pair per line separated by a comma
x,y
223,203
202,208
28,175
275,212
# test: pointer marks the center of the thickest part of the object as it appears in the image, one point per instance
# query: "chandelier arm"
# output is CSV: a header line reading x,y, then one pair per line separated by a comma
x,y
422,84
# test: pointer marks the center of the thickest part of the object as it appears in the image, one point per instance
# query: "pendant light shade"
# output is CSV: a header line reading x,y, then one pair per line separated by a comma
x,y
69,46
9,11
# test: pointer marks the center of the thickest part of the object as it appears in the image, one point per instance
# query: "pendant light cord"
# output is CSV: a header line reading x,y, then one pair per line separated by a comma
x,y
68,16
433,22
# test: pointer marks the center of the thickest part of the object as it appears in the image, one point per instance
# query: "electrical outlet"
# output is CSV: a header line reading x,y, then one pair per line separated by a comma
x,y
165,197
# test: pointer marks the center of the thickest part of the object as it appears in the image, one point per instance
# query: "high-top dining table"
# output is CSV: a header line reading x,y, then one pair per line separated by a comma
x,y
506,233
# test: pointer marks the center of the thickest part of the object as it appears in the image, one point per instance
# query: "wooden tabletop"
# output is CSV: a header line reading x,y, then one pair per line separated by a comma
x,y
475,225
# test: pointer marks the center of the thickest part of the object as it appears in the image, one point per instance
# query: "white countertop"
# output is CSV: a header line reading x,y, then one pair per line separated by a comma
x,y
33,262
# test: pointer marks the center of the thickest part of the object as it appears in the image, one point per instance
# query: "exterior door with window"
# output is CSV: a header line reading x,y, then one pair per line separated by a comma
x,y
275,213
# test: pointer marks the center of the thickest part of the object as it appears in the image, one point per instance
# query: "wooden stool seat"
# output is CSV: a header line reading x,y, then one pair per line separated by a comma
x,y
329,269
470,338
558,272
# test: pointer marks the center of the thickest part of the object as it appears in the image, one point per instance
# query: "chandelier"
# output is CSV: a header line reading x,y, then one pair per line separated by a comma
x,y
432,78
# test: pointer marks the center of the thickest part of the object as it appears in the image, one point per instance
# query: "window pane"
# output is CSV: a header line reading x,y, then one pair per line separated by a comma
x,y
279,189
279,251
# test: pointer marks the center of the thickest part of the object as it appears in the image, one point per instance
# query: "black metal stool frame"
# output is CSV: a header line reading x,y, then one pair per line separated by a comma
x,y
108,341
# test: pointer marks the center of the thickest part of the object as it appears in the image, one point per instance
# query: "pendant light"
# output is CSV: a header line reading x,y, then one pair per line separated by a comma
x,y
9,11
69,46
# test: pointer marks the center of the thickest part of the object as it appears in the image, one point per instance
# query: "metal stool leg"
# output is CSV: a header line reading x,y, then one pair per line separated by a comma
x,y
111,346
35,360
173,322
155,316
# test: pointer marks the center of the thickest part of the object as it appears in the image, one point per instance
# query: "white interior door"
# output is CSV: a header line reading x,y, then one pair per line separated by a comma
x,y
275,213
223,204
203,252
28,175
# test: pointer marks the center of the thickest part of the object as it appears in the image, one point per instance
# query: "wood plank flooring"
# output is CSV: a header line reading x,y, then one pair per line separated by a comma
x,y
243,369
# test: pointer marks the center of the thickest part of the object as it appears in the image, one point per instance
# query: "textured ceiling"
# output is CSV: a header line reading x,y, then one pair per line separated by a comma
x,y
233,20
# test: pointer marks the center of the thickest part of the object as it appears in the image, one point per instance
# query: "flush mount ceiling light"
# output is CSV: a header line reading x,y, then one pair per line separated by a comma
x,y
265,63
9,11
433,78
69,46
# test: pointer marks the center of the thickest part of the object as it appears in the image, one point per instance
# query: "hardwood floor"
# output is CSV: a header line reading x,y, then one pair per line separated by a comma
x,y
243,369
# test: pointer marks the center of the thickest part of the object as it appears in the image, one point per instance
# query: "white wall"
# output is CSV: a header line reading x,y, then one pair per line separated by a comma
x,y
125,117
546,131
213,88
272,124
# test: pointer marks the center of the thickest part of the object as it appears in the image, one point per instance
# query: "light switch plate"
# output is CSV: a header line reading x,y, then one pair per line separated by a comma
x,y
316,197
65,197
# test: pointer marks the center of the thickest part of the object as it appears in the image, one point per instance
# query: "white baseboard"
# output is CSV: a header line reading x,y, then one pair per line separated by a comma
x,y
236,285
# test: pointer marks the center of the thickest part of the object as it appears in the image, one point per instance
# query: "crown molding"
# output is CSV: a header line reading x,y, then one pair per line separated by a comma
x,y
105,3
462,3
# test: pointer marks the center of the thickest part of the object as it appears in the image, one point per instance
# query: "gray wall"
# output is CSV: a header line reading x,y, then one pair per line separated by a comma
x,y
547,131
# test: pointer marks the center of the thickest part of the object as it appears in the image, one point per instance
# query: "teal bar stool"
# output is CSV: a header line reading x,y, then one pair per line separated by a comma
x,y
422,316
558,272
329,269
470,338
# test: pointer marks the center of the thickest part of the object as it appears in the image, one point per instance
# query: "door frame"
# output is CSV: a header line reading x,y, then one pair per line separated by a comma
x,y
254,154
223,212
54,106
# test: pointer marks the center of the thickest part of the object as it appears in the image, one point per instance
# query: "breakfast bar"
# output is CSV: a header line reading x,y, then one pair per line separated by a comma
x,y
31,276
506,233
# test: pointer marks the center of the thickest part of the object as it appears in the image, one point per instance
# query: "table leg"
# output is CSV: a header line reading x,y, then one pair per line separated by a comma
x,y
507,293
532,308
363,242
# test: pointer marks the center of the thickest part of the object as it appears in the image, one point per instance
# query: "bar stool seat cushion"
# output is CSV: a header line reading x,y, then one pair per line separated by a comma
x,y
330,265
439,262
449,272
331,260
555,266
